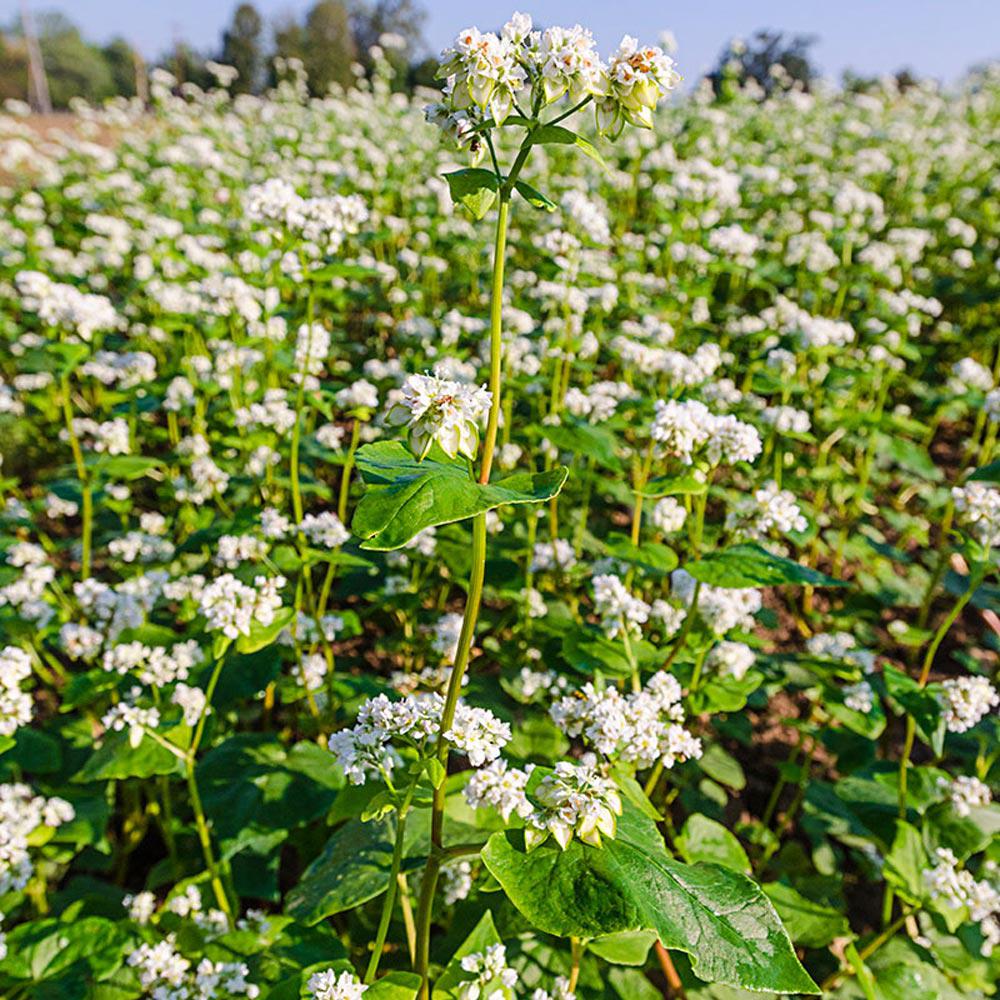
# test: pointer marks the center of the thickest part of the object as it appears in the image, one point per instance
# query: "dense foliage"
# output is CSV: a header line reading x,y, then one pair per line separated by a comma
x,y
621,626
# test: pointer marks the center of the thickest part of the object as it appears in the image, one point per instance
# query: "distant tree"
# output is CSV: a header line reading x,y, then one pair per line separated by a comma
x,y
324,43
74,67
773,59
187,65
403,18
121,60
13,68
242,48
422,74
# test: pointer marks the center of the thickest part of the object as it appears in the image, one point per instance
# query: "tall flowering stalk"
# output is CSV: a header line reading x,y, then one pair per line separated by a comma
x,y
488,76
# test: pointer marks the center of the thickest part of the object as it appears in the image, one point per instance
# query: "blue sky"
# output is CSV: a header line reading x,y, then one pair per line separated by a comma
x,y
939,38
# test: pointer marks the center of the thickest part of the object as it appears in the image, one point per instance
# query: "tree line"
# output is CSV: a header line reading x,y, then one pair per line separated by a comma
x,y
331,40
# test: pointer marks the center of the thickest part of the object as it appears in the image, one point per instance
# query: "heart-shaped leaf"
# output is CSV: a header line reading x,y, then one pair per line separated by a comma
x,y
404,496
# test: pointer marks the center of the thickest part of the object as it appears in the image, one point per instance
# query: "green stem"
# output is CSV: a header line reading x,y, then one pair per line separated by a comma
x,y
299,400
975,579
345,482
390,893
477,575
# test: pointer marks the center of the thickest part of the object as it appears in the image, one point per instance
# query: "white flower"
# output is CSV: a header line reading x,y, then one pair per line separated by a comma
x,y
329,985
979,507
574,800
324,529
966,793
620,611
438,409
860,697
966,701
232,607
668,515
732,659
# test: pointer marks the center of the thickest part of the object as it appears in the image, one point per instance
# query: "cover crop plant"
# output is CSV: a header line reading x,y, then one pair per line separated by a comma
x,y
604,610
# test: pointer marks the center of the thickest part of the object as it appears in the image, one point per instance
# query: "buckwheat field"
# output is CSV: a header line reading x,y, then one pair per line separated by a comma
x,y
538,545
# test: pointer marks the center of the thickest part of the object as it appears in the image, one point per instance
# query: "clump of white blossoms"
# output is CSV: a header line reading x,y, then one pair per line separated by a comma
x,y
231,607
15,703
732,659
979,507
330,985
966,701
668,516
620,611
641,728
573,800
22,813
860,697
966,793
490,76
722,608
324,529
688,431
320,223
439,409
165,972
365,750
770,509
492,976
957,888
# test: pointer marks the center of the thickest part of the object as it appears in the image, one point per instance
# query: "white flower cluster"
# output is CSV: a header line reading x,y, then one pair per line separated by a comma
x,y
687,430
731,659
574,800
620,611
492,73
958,888
668,516
502,787
165,973
770,509
722,608
979,507
554,555
126,714
966,793
967,700
644,727
322,222
21,814
154,665
365,750
328,985
859,697
65,306
16,705
231,607
840,646
442,410
492,976
324,529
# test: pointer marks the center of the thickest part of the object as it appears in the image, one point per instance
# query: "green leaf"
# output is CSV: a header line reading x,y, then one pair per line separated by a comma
x,y
116,758
263,635
753,566
673,486
810,924
654,559
41,949
722,766
128,466
535,198
988,473
394,986
908,698
906,863
719,917
474,188
556,134
404,496
587,649
480,938
625,948
703,839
